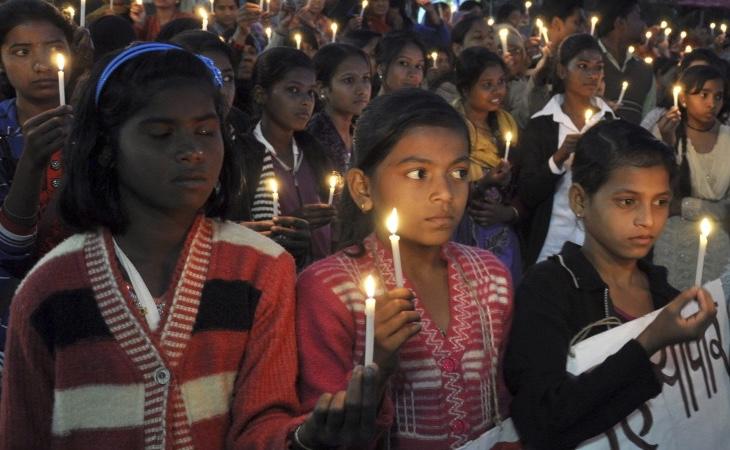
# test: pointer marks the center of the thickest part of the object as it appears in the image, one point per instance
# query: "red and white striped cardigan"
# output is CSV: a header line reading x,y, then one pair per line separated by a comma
x,y
83,370
447,389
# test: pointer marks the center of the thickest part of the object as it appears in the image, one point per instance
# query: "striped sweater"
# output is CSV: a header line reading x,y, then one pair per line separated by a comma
x,y
443,393
83,370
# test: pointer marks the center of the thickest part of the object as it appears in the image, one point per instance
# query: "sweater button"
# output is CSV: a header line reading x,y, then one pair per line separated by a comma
x,y
55,164
458,426
448,364
162,376
56,183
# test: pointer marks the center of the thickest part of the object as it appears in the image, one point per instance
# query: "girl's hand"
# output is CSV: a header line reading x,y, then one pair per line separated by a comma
x,y
137,13
509,61
667,125
670,327
292,233
247,15
260,226
355,23
486,213
317,214
46,133
498,176
396,321
346,418
567,149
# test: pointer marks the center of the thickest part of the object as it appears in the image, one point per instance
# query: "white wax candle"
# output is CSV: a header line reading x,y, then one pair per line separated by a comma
x,y
267,30
705,228
508,139
435,58
712,28
624,86
82,14
528,5
364,5
723,28
298,40
594,21
274,186
675,92
369,319
334,32
60,62
663,24
544,31
333,180
503,38
392,225
587,115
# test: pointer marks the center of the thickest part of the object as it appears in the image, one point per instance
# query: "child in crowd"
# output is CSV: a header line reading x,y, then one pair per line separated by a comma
x,y
439,338
401,62
225,13
621,193
343,78
148,27
159,326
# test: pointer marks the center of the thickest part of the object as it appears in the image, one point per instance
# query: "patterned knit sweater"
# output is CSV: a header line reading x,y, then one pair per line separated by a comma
x,y
84,371
447,389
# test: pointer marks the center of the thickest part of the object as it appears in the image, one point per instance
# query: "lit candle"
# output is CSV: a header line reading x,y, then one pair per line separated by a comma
x,y
683,35
712,28
538,23
688,49
435,58
70,11
648,35
334,179
139,2
211,4
648,60
60,62
82,14
667,32
364,5
203,15
111,6
392,225
705,228
587,115
298,40
675,92
663,24
334,32
624,86
274,186
631,50
267,31
723,28
508,141
594,21
503,38
528,5
369,319
490,21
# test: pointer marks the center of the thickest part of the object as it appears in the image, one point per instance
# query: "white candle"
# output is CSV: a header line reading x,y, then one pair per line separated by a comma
x,y
723,28
648,60
298,40
712,28
490,21
392,225
364,5
683,35
675,92
624,86
274,186
435,58
211,5
631,50
705,228
663,24
267,30
60,62
587,115
203,15
369,319
594,21
667,32
503,38
82,14
528,5
334,32
688,49
333,180
139,2
71,12
648,35
508,142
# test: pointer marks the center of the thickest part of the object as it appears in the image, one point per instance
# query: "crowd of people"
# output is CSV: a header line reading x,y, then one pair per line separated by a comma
x,y
192,199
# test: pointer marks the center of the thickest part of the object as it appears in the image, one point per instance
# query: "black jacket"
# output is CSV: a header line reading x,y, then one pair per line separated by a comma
x,y
551,408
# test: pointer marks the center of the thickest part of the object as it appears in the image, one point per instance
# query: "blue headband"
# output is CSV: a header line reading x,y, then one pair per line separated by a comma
x,y
137,50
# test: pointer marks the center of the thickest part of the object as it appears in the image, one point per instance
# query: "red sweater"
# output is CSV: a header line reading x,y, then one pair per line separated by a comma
x,y
443,393
83,370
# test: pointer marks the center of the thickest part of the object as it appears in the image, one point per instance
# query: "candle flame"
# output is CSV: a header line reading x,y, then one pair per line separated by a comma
x,y
648,60
203,13
664,24
538,23
648,35
528,5
508,137
334,28
503,33
676,89
490,21
625,85
705,227
364,4
273,185
588,114
60,61
369,285
683,34
712,26
667,32
594,20
631,49
267,30
392,222
723,28
434,55
298,39
70,10
688,49
334,180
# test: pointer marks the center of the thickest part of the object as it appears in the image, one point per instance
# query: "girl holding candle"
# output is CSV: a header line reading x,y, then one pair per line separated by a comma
x,y
702,148
285,87
481,77
438,341
148,27
33,129
621,193
343,78
401,62
544,153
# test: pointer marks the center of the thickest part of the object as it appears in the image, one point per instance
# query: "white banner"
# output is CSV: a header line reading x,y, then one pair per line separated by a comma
x,y
693,410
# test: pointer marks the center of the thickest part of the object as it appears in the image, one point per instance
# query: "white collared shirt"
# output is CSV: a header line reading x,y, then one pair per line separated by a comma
x,y
563,223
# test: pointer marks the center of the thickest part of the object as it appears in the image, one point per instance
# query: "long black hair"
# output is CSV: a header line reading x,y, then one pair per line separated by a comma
x,y
383,123
90,194
571,47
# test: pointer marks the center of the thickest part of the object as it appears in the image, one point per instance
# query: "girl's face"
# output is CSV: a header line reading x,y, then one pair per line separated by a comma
x,y
290,101
488,93
583,73
627,214
370,51
27,59
480,35
703,106
223,63
406,70
349,89
225,12
378,7
171,152
425,177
